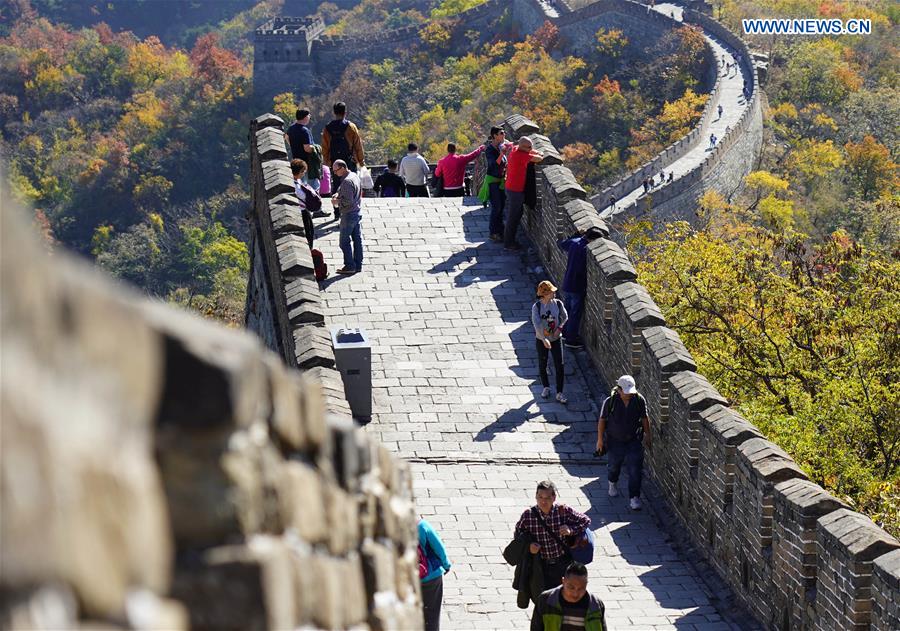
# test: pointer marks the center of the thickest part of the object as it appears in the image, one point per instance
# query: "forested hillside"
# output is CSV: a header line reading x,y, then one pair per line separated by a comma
x,y
133,152
789,294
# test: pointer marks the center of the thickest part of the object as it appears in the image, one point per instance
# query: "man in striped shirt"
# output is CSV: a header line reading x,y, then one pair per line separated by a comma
x,y
548,523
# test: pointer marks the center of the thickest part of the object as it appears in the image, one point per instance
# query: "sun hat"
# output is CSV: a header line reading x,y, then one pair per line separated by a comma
x,y
626,382
545,287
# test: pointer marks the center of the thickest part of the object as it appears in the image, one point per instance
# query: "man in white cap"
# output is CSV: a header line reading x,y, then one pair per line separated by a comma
x,y
624,429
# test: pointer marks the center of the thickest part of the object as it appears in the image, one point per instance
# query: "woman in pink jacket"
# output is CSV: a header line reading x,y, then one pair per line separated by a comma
x,y
452,169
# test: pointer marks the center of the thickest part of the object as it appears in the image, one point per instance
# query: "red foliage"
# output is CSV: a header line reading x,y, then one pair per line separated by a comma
x,y
547,36
214,64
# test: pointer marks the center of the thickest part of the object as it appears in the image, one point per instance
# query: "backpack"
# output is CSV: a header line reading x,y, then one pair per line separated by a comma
x,y
314,163
423,563
606,410
325,183
319,264
340,146
313,202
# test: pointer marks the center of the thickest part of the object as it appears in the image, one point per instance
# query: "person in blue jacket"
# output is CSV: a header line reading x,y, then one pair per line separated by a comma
x,y
574,283
433,581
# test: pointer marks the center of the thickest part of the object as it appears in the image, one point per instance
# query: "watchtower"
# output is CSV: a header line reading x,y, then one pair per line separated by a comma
x,y
282,57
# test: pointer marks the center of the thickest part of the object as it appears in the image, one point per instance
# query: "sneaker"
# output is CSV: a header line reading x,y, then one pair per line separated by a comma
x,y
545,393
573,344
561,398
346,271
613,491
320,213
635,503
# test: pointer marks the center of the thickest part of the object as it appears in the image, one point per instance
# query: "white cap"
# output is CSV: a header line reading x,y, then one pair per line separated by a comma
x,y
626,382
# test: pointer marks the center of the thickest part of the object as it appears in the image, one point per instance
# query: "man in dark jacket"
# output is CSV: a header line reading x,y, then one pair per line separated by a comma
x,y
529,576
569,606
574,284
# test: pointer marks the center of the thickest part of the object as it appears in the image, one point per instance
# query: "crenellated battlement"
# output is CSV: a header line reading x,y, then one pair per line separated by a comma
x,y
793,555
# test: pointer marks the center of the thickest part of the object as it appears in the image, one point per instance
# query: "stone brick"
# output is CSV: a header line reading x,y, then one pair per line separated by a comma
x,y
270,143
848,544
303,502
294,257
798,505
313,347
886,591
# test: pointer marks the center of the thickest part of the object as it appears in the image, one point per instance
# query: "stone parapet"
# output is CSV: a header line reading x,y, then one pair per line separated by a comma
x,y
777,539
195,481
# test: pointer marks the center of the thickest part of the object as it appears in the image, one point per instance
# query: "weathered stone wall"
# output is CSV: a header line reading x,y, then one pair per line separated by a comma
x,y
724,168
163,472
794,556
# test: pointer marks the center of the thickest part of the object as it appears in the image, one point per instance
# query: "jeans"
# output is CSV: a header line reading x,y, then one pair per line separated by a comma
x,y
515,201
432,595
632,453
543,358
498,200
574,303
350,230
314,184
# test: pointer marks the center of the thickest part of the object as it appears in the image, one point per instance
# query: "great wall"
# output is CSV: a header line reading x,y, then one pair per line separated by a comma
x,y
202,481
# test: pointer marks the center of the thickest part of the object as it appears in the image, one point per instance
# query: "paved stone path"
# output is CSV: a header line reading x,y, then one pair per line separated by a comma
x,y
455,386
730,96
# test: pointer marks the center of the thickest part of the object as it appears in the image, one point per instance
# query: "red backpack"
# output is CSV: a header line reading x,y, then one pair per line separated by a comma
x,y
319,264
423,563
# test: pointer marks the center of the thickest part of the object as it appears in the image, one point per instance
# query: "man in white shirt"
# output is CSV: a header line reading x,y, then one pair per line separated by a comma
x,y
414,170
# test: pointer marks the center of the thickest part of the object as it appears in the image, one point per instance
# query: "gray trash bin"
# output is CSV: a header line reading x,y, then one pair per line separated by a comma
x,y
353,356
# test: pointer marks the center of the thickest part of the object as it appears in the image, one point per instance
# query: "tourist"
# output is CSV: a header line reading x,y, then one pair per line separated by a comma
x,y
518,158
624,430
671,176
414,170
347,203
436,565
574,284
570,605
646,185
712,140
452,168
389,184
309,199
547,523
720,109
341,141
548,316
300,140
495,167
612,202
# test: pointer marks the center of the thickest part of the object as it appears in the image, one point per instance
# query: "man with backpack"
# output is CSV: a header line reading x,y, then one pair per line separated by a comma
x,y
433,564
300,140
341,141
623,430
389,184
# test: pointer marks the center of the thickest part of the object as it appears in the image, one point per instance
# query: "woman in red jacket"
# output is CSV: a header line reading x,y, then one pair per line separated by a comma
x,y
452,168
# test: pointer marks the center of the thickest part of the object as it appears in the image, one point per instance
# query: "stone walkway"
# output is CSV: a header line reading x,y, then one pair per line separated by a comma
x,y
455,386
730,96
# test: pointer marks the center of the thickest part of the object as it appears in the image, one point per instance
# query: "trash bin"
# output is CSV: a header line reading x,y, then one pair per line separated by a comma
x,y
353,356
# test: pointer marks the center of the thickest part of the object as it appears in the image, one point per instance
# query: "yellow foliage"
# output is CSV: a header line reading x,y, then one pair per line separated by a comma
x,y
815,159
778,213
766,182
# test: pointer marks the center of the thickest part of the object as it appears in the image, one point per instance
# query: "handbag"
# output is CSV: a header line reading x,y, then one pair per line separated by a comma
x,y
365,178
582,550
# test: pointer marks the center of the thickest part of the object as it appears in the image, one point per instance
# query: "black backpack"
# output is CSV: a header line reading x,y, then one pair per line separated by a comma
x,y
606,411
339,148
